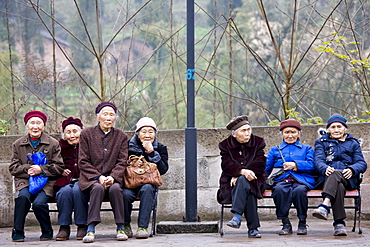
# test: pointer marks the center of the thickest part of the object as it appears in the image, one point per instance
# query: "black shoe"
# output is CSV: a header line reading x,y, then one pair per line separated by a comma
x,y
286,230
46,236
17,236
302,229
254,233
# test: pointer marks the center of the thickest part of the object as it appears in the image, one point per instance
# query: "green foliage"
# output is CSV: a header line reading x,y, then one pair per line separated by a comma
x,y
273,122
292,114
4,127
362,120
340,42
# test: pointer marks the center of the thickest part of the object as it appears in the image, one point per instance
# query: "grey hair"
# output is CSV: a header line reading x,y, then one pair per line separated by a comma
x,y
236,131
63,134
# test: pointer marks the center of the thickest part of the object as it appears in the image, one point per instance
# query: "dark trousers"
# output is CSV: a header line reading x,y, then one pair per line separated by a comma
x,y
244,202
97,194
40,207
146,194
285,193
71,199
335,188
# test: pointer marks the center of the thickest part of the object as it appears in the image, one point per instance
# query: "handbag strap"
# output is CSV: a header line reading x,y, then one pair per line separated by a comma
x,y
134,158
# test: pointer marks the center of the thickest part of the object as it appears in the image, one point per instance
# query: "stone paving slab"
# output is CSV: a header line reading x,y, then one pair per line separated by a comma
x,y
320,233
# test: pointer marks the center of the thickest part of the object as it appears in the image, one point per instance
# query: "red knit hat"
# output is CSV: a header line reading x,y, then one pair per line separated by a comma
x,y
104,104
290,123
72,120
35,114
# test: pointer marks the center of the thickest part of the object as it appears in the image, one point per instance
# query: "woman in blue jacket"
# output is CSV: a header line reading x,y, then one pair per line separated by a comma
x,y
339,162
296,160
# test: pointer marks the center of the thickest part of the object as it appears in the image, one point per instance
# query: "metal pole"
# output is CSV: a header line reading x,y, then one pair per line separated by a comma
x,y
190,131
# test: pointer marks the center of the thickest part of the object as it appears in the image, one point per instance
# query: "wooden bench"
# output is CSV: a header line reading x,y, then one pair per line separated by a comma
x,y
153,213
355,194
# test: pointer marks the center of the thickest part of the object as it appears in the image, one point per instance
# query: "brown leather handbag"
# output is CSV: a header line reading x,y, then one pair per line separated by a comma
x,y
139,171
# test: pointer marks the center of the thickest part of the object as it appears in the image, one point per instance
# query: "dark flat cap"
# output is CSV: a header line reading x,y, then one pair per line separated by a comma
x,y
237,122
104,104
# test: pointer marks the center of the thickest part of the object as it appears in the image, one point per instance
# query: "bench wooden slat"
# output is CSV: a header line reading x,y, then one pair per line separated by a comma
x,y
104,200
317,194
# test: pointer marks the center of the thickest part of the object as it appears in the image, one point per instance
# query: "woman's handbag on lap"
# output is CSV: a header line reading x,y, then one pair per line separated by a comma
x,y
139,171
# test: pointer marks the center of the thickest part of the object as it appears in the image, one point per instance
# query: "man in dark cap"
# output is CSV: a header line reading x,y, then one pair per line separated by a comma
x,y
339,162
102,159
243,177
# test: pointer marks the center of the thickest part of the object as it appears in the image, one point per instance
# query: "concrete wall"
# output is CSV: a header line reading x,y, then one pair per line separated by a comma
x,y
171,202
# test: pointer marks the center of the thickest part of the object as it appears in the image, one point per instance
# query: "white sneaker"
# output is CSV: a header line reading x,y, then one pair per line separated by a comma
x,y
121,235
89,237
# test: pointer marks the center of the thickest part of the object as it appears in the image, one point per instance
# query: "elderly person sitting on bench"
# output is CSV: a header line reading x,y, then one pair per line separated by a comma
x,y
101,159
243,174
296,159
339,162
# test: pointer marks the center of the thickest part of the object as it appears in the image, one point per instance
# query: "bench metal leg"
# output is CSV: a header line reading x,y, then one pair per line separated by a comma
x,y
221,230
355,218
357,202
154,214
359,212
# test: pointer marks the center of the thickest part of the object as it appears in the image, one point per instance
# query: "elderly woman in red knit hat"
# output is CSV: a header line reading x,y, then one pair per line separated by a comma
x,y
243,173
68,194
296,159
144,143
22,168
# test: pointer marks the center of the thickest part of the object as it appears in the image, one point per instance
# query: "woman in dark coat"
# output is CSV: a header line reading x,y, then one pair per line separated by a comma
x,y
22,168
144,143
68,195
339,162
102,159
243,173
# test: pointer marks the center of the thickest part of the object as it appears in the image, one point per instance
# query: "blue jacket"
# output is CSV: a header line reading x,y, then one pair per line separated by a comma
x,y
301,154
340,155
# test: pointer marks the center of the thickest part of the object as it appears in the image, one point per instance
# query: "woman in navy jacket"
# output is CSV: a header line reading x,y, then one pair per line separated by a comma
x,y
339,162
144,143
296,160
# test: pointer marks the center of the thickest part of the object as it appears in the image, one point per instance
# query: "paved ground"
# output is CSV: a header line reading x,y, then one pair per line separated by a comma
x,y
320,233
